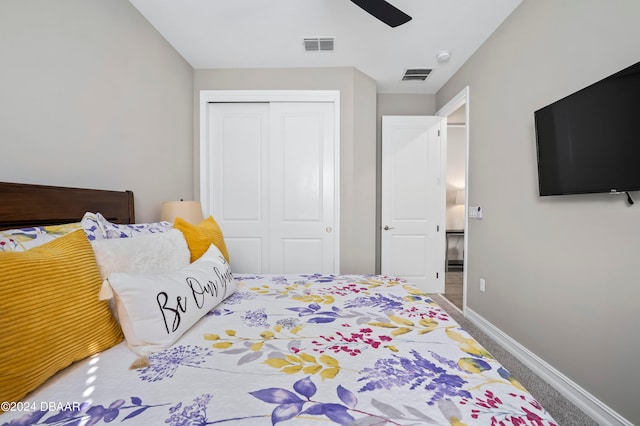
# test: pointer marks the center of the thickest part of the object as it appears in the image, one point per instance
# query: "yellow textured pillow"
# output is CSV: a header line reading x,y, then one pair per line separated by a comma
x,y
50,312
200,237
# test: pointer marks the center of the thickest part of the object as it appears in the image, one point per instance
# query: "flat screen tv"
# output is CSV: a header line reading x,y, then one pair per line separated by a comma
x,y
589,141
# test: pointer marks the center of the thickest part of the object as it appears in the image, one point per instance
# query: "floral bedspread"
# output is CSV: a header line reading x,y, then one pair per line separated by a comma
x,y
297,349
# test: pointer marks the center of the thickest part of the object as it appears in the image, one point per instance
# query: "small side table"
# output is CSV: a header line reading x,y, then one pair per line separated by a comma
x,y
450,232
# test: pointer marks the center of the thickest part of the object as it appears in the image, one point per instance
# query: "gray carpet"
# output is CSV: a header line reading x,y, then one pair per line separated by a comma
x,y
563,411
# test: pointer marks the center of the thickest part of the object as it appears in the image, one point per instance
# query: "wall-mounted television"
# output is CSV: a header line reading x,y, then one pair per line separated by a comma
x,y
589,141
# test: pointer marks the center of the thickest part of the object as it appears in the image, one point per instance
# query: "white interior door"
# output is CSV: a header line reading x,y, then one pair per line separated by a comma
x,y
302,187
239,181
273,185
412,242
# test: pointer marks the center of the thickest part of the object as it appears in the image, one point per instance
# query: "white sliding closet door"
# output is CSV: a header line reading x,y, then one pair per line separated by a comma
x,y
302,187
239,150
273,184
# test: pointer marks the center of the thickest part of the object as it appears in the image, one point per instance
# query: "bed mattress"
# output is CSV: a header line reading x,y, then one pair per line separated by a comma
x,y
296,349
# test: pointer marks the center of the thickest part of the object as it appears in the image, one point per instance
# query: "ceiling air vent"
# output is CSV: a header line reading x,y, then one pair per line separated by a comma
x,y
416,74
314,44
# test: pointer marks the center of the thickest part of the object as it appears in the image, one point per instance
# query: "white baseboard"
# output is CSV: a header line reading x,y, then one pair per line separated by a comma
x,y
582,399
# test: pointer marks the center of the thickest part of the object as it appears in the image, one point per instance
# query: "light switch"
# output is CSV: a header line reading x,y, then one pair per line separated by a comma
x,y
475,212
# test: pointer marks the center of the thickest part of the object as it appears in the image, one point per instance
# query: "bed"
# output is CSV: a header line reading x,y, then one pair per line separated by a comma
x,y
271,349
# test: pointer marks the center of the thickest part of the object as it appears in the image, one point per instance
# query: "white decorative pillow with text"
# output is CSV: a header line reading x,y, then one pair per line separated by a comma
x,y
156,309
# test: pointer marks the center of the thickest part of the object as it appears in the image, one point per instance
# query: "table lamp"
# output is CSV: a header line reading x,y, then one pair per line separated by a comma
x,y
190,211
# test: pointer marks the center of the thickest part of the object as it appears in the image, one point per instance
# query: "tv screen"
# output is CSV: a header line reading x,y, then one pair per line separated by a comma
x,y
590,141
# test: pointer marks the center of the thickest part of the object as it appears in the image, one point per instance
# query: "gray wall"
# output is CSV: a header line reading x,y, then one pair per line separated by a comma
x,y
92,96
561,272
357,143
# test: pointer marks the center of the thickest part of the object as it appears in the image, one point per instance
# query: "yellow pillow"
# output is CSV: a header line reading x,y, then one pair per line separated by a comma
x,y
200,237
50,312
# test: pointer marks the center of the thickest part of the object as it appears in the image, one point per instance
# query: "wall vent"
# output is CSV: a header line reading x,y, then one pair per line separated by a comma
x,y
416,74
314,44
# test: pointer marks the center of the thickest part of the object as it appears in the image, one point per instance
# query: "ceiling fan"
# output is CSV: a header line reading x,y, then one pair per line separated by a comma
x,y
384,11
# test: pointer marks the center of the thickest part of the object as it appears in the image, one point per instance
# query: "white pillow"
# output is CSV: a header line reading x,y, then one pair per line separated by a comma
x,y
155,310
147,254
97,227
114,230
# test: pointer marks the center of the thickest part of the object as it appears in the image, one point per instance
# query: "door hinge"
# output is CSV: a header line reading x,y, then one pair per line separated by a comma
x,y
437,275
437,228
438,132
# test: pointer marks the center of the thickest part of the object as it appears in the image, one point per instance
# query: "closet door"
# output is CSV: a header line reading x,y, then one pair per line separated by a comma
x,y
239,181
273,185
302,174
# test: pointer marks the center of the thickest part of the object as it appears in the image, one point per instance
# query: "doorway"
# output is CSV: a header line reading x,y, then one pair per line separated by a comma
x,y
457,180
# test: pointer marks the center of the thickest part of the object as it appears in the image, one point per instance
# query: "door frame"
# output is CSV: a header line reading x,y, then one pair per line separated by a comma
x,y
460,99
216,96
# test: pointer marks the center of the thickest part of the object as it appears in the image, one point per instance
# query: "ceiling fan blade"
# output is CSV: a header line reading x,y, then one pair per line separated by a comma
x,y
384,11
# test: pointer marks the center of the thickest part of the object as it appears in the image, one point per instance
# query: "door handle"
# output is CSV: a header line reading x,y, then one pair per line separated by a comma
x,y
387,227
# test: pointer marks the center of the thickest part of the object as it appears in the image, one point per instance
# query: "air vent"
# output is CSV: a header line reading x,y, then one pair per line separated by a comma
x,y
416,74
314,44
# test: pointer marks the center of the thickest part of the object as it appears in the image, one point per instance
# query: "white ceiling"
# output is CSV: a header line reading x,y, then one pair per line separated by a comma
x,y
269,33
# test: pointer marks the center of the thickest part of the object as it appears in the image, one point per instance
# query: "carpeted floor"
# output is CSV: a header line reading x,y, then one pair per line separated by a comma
x,y
563,411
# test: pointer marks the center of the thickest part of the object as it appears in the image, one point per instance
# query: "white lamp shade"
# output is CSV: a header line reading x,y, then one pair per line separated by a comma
x,y
460,197
190,211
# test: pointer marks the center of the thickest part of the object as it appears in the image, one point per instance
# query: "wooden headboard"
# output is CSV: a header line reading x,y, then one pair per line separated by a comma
x,y
23,205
